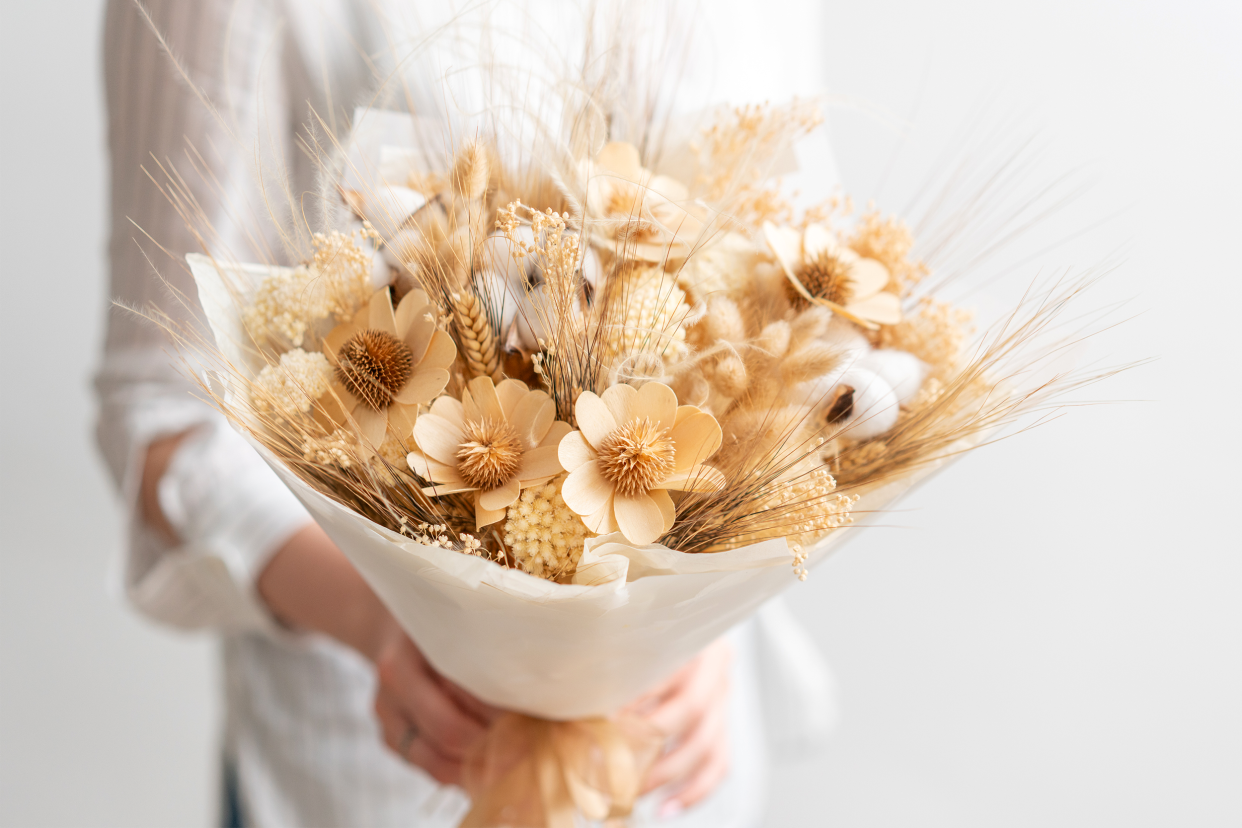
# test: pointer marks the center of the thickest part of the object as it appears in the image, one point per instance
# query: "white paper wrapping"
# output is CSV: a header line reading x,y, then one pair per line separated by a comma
x,y
559,651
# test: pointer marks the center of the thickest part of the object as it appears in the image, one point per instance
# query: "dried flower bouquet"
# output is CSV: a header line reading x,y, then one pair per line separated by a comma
x,y
553,411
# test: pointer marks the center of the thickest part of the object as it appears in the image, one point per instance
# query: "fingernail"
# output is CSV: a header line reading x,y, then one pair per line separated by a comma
x,y
670,808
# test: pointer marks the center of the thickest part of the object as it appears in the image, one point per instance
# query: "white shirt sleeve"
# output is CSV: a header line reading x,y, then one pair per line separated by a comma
x,y
229,509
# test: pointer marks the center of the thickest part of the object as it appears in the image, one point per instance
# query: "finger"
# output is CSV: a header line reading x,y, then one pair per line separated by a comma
x,y
679,713
651,699
684,760
702,783
422,701
396,730
479,710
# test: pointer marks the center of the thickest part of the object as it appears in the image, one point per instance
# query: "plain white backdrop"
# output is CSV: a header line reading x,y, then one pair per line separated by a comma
x,y
1051,632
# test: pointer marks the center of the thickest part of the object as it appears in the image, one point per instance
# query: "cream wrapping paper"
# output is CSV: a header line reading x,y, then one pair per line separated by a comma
x,y
556,651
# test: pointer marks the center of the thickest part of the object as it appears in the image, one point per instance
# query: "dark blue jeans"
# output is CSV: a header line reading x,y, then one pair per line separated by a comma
x,y
230,804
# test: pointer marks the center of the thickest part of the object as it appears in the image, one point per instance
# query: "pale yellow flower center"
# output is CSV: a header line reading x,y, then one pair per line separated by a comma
x,y
826,276
374,366
636,457
491,454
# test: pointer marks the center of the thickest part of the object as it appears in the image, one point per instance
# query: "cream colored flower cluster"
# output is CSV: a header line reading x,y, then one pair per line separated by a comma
x,y
544,536
292,386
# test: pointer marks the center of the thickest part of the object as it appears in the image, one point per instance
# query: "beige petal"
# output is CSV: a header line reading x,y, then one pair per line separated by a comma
x,y
511,392
556,433
448,408
401,421
440,353
786,243
332,409
486,517
621,158
361,319
602,520
695,438
407,311
595,421
573,451
438,438
657,402
586,490
337,337
700,478
667,509
532,417
884,308
379,314
502,496
480,401
423,387
418,335
639,518
619,398
816,240
446,478
670,188
442,489
867,277
371,424
540,462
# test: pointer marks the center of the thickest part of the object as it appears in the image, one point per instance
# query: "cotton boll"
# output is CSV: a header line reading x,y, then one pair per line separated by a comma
x,y
399,249
904,372
386,206
875,408
499,295
499,257
848,340
533,312
592,269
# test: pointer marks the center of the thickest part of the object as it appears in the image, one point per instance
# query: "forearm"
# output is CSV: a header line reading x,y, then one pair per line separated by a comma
x,y
307,584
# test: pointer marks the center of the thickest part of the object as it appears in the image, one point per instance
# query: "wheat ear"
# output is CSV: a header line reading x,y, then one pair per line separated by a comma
x,y
478,341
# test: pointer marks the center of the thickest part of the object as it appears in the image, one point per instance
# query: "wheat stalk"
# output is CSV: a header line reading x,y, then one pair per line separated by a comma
x,y
475,335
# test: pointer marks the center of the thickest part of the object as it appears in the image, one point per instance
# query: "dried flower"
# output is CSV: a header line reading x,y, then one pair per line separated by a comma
x,y
544,536
641,214
498,440
632,447
821,271
387,364
291,388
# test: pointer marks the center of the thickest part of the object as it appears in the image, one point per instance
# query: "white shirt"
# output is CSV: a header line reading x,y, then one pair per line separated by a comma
x,y
299,727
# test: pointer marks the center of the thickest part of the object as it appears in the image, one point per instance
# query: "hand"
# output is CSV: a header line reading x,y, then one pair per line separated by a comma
x,y
692,710
426,719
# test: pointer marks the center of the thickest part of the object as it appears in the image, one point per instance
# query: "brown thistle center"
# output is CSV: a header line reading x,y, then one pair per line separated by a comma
x,y
826,276
491,454
374,366
636,457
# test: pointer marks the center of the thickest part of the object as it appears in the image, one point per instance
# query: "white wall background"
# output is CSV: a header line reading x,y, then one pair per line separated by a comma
x,y
1054,636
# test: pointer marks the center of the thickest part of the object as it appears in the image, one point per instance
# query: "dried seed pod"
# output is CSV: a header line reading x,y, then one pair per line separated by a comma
x,y
814,360
470,172
774,339
730,377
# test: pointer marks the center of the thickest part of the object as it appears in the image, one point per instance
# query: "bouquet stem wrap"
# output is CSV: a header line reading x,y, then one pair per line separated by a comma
x,y
536,773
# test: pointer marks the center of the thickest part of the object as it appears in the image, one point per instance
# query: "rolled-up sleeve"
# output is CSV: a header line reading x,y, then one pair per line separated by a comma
x,y
227,507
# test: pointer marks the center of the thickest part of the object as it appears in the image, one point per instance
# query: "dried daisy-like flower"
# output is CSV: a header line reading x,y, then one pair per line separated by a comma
x,y
386,364
632,447
543,534
640,213
498,440
823,272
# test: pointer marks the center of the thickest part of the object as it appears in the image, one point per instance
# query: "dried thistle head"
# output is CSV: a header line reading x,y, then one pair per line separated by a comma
x,y
374,365
490,455
636,457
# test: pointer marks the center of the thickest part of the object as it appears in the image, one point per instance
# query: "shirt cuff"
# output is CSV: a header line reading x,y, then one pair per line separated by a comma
x,y
232,514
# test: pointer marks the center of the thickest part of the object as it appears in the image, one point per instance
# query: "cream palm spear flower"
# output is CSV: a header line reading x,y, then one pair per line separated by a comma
x,y
631,449
498,440
385,363
824,272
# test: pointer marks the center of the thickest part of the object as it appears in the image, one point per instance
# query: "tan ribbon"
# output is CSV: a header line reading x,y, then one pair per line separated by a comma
x,y
535,773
